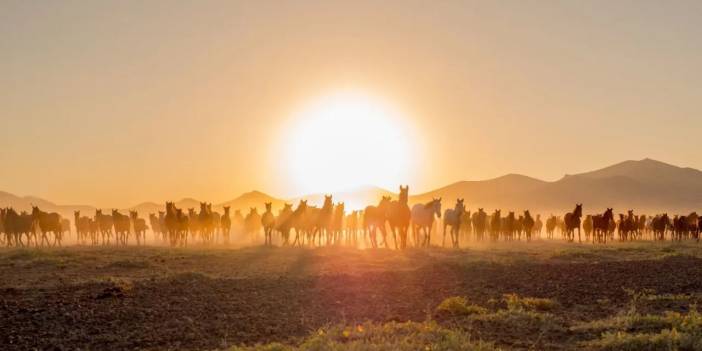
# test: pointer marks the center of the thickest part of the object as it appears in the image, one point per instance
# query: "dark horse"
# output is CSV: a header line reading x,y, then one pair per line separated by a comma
x,y
600,225
572,222
399,216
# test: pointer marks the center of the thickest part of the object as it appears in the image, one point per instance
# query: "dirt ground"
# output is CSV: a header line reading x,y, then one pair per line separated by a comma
x,y
197,298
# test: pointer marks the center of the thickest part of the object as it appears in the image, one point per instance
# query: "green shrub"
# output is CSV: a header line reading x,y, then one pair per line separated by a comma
x,y
459,306
515,302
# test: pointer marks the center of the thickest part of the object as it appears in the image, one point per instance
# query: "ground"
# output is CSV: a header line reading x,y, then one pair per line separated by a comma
x,y
541,295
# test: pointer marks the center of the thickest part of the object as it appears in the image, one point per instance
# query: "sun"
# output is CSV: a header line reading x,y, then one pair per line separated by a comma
x,y
347,140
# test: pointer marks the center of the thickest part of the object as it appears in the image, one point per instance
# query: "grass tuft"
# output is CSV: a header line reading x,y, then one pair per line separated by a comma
x,y
407,336
459,306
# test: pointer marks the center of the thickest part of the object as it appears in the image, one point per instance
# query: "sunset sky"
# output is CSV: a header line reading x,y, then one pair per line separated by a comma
x,y
111,103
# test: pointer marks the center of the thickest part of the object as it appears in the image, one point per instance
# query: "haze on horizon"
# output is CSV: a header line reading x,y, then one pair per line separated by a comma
x,y
116,102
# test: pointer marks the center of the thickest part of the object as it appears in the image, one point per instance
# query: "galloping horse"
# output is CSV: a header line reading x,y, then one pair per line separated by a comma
x,y
374,217
528,225
399,217
423,220
572,221
601,225
226,225
268,223
452,218
139,227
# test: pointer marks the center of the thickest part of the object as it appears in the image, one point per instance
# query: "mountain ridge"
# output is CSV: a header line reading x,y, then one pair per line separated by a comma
x,y
645,184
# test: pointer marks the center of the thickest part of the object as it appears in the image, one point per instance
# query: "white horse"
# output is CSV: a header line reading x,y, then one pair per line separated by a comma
x,y
423,219
452,217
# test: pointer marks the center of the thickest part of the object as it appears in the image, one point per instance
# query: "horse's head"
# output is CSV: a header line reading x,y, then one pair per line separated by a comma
x,y
133,214
253,211
436,205
203,207
268,206
287,207
226,210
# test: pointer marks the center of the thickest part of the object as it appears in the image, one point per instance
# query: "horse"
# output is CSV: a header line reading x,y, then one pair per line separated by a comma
x,y
139,227
297,221
268,223
571,222
601,226
479,221
18,224
155,225
528,225
172,223
48,223
82,225
423,220
337,224
104,224
374,217
399,217
452,218
206,223
659,224
121,223
226,225
252,224
283,223
351,224
587,227
466,227
495,225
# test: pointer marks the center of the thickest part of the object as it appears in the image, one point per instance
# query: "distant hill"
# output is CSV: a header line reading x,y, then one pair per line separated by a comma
x,y
645,185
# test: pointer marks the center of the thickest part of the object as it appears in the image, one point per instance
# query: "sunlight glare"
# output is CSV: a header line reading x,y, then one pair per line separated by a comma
x,y
347,140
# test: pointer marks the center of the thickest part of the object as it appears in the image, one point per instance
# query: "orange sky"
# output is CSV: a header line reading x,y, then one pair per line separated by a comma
x,y
113,103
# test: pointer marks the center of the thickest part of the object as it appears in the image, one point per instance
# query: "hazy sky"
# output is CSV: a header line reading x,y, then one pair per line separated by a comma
x,y
116,102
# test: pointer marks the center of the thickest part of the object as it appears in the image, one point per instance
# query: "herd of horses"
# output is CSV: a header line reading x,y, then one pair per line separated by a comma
x,y
330,224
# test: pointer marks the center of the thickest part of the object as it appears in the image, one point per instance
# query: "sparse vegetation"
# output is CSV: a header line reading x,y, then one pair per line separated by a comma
x,y
459,306
407,336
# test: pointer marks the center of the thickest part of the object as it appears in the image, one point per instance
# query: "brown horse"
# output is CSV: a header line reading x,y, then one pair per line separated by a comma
x,y
572,222
104,223
283,223
452,218
48,223
252,224
528,225
121,223
226,225
82,225
601,226
268,223
139,227
374,217
399,216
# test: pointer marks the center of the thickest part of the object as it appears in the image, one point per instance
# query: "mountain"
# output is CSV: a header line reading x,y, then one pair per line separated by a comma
x,y
646,185
251,199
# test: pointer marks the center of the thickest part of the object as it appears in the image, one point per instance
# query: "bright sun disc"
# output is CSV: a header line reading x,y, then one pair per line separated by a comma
x,y
347,140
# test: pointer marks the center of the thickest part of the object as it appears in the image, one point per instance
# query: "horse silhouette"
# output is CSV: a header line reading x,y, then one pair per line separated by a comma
x,y
226,225
572,222
528,225
479,221
48,223
268,223
252,224
601,226
374,218
139,227
283,223
398,217
104,224
121,224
